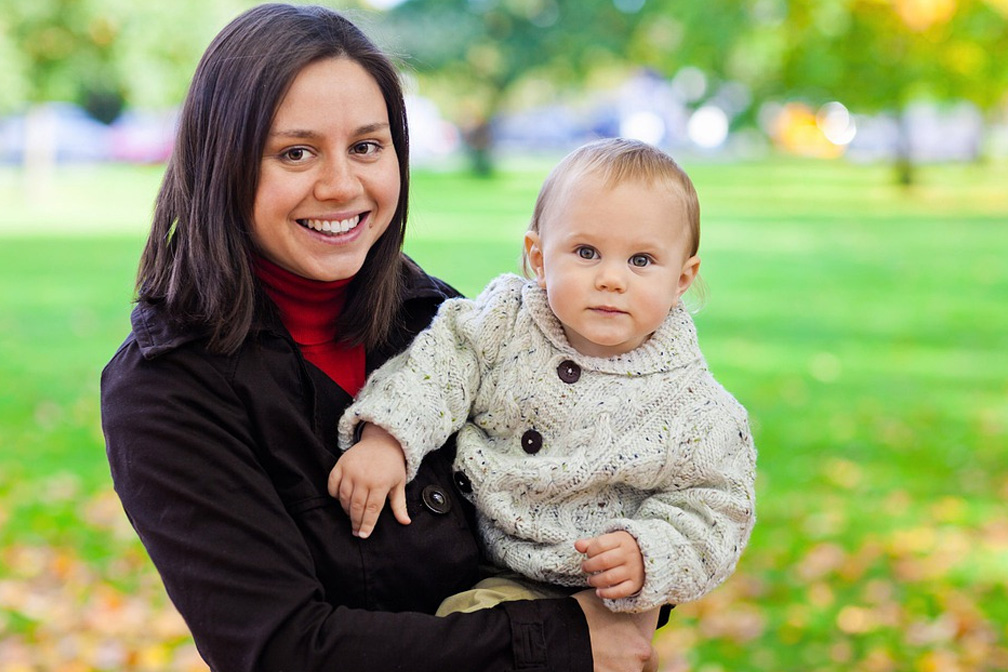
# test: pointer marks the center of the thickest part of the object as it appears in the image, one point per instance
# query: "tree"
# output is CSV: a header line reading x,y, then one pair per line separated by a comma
x,y
881,55
475,53
101,55
873,55
63,52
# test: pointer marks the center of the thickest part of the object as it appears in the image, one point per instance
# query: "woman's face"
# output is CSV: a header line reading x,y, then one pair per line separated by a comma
x,y
329,178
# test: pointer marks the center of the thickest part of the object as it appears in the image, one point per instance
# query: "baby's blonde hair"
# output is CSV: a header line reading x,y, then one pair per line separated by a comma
x,y
617,160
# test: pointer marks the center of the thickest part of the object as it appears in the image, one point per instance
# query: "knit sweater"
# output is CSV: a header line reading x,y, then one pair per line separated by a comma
x,y
558,445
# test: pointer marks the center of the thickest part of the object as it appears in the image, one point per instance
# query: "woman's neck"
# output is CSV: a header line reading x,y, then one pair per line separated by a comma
x,y
308,308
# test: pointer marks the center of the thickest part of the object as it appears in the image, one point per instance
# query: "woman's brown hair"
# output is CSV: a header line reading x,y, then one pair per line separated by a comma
x,y
197,261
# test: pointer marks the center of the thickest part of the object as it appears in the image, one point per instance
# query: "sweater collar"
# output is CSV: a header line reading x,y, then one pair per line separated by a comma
x,y
671,346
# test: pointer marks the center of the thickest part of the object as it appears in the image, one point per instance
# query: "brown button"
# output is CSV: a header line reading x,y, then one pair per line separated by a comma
x,y
531,442
568,371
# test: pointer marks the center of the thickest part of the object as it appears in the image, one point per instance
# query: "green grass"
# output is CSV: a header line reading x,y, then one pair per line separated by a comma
x,y
863,326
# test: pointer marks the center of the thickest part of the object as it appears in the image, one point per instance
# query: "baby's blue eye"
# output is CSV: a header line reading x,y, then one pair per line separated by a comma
x,y
640,260
586,252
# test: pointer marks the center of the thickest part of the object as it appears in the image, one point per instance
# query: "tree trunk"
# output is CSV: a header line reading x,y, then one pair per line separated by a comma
x,y
479,141
905,169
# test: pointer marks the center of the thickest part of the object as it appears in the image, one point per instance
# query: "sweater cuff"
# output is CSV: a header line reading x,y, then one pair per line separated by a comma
x,y
549,636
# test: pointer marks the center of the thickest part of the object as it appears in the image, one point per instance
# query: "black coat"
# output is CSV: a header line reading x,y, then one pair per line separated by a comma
x,y
221,463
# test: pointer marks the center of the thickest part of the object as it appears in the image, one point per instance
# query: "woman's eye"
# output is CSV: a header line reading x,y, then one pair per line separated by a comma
x,y
295,154
368,147
640,260
586,252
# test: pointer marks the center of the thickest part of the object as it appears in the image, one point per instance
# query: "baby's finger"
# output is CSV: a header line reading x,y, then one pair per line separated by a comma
x,y
345,494
357,503
616,592
397,500
603,561
335,478
612,577
597,545
369,512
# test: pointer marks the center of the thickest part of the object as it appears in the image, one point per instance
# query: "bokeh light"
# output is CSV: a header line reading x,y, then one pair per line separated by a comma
x,y
708,127
645,126
836,123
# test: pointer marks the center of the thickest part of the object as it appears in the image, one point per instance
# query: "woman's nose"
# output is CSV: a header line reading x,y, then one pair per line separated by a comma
x,y
337,182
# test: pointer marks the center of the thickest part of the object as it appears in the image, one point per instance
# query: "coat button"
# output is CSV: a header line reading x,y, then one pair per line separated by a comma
x,y
531,442
462,482
568,371
436,499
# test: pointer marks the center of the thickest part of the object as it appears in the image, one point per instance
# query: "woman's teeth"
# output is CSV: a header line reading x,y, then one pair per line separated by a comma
x,y
327,226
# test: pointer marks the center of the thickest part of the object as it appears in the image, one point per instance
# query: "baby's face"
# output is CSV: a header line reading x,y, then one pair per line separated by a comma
x,y
613,261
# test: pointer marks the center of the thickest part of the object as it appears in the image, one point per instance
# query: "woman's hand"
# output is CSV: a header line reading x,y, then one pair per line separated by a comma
x,y
619,642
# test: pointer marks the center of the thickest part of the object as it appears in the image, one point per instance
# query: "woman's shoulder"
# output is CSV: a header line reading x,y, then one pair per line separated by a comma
x,y
156,332
163,352
158,345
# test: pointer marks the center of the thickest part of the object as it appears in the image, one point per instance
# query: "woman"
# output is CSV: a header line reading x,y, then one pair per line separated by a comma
x,y
271,283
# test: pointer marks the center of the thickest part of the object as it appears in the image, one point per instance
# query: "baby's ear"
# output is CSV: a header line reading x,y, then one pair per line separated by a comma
x,y
688,274
534,257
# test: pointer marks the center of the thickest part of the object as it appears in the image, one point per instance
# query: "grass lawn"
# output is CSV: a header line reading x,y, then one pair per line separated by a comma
x,y
863,326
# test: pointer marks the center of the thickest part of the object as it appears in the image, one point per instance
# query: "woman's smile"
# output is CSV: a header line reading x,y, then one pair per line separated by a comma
x,y
332,227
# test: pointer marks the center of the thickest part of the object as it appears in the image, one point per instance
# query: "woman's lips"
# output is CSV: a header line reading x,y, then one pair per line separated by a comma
x,y
331,226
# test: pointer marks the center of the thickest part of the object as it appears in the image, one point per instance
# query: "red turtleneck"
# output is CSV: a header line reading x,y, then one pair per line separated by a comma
x,y
310,309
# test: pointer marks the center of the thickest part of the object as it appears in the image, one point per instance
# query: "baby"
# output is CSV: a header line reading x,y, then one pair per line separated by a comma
x,y
593,441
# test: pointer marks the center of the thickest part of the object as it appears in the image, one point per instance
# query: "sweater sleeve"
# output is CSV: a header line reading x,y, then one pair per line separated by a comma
x,y
238,568
691,531
424,394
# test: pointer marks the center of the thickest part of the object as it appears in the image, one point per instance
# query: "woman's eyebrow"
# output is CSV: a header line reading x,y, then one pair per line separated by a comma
x,y
307,134
294,133
371,128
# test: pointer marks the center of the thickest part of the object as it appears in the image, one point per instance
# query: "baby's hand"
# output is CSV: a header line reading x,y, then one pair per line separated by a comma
x,y
366,473
614,566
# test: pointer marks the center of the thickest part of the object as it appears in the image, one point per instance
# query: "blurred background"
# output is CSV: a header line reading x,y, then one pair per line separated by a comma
x,y
851,158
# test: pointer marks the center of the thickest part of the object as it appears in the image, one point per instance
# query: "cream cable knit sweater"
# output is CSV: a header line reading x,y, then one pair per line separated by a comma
x,y
647,442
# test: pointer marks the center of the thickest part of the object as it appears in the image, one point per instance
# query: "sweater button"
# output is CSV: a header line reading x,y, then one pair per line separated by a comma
x,y
568,371
436,499
462,482
531,442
